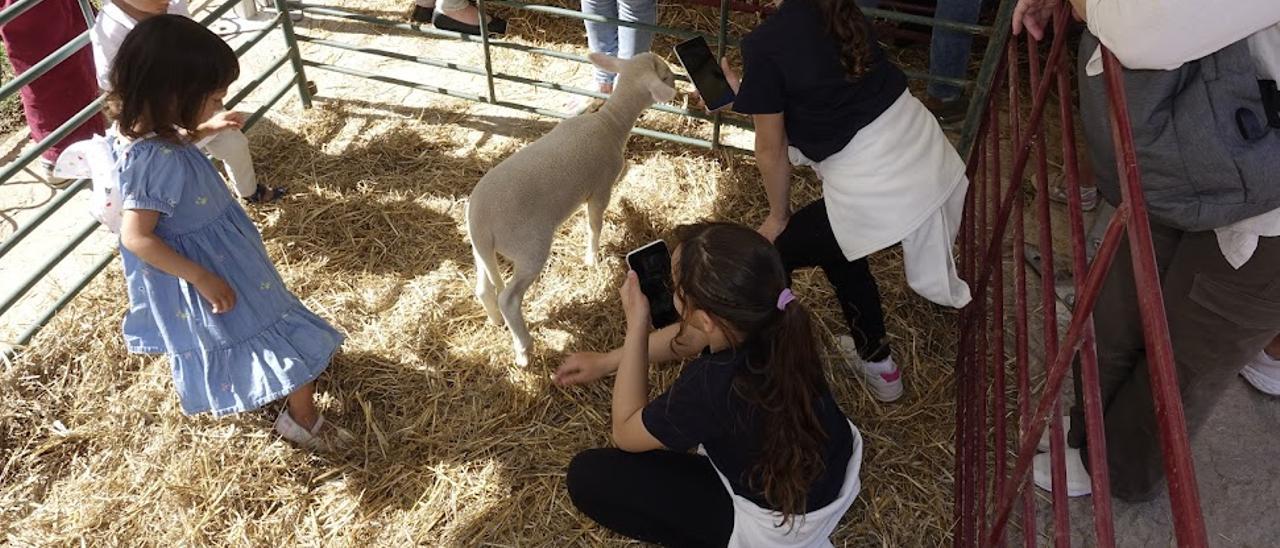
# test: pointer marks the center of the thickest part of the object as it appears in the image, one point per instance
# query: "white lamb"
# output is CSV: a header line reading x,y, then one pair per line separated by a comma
x,y
517,206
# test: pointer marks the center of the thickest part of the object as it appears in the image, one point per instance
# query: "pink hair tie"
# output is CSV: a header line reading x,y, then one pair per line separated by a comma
x,y
785,299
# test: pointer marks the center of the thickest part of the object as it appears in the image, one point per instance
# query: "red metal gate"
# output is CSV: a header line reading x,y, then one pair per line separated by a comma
x,y
990,487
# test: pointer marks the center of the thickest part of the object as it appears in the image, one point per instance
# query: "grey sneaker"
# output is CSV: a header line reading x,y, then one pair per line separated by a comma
x,y
1088,196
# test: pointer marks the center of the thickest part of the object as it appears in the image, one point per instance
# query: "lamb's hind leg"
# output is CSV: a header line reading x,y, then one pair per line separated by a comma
x,y
527,269
487,287
595,218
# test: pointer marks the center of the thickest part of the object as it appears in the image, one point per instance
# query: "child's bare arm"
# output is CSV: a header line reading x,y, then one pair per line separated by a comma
x,y
137,234
584,367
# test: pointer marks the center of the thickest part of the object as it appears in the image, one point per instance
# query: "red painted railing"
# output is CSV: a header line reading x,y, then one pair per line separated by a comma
x,y
990,487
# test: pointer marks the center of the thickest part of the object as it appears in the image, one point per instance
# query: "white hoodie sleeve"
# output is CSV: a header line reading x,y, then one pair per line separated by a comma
x,y
1164,34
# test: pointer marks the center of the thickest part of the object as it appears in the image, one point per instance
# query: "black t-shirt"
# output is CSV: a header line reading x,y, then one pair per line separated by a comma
x,y
703,407
792,66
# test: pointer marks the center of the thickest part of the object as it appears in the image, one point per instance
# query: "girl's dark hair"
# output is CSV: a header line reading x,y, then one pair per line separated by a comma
x,y
852,33
735,275
165,70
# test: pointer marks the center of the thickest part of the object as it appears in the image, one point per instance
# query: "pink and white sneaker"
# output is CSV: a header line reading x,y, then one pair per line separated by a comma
x,y
883,378
1263,373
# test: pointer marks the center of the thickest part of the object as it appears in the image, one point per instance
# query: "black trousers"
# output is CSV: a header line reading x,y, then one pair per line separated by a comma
x,y
808,241
662,497
1219,318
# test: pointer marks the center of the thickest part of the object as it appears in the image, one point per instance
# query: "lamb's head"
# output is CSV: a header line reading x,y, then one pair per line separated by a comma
x,y
645,72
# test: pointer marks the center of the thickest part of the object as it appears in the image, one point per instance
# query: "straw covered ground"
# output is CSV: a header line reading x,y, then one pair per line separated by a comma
x,y
456,445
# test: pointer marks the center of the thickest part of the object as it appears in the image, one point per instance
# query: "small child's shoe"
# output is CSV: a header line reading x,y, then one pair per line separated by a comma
x,y
884,378
50,176
1263,373
323,436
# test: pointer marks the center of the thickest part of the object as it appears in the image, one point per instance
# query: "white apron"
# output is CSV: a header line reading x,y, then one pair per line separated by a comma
x,y
899,180
756,527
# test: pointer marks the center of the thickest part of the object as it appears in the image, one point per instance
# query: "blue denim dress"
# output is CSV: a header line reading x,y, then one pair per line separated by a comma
x,y
268,344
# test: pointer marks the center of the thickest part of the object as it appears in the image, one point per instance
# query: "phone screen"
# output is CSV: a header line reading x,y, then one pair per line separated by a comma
x,y
652,265
705,72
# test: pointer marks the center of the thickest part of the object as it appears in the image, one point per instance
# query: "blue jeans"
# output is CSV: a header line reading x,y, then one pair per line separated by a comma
x,y
621,42
949,50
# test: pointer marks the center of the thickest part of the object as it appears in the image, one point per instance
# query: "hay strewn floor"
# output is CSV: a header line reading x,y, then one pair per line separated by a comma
x,y
457,446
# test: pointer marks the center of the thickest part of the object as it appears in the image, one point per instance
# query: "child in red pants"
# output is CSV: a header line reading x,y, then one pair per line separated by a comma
x,y
68,87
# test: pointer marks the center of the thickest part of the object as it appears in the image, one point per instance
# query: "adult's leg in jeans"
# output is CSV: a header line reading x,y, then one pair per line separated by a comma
x,y
662,497
632,41
1118,328
808,241
68,87
949,49
602,37
1219,318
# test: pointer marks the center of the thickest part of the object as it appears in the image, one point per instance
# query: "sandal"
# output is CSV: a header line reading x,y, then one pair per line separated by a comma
x,y
265,194
323,436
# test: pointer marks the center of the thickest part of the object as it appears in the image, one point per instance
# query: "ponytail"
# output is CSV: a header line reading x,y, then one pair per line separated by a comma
x,y
851,31
736,276
793,438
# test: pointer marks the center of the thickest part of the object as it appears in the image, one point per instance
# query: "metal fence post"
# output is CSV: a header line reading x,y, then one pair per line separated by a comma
x,y
295,56
247,9
720,47
488,59
87,10
991,60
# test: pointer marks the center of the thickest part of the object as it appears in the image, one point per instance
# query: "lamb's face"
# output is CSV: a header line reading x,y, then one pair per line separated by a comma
x,y
653,73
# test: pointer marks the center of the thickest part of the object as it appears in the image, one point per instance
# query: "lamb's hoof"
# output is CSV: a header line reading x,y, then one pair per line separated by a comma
x,y
496,319
590,259
522,359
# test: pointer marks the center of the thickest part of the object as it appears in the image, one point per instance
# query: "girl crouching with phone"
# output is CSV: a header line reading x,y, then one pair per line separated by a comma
x,y
776,461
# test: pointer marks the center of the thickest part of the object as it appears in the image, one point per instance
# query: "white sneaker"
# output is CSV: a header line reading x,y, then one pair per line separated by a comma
x,y
50,177
1043,445
884,378
1263,373
1078,481
323,436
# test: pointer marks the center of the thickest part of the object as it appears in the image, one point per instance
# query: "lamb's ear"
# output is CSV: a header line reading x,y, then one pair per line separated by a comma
x,y
605,62
660,91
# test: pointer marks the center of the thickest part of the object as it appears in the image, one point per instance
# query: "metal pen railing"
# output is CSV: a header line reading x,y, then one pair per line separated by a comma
x,y
988,486
721,38
61,250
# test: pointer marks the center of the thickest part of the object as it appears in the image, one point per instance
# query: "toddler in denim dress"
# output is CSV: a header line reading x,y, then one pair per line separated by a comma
x,y
201,286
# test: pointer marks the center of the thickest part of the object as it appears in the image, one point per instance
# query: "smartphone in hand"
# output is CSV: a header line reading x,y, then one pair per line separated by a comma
x,y
652,265
703,68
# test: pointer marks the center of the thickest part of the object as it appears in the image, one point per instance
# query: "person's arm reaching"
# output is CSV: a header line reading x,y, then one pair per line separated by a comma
x,y
664,346
631,386
775,170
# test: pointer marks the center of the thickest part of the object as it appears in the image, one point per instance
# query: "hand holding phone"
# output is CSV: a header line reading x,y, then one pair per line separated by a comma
x,y
705,71
652,267
634,302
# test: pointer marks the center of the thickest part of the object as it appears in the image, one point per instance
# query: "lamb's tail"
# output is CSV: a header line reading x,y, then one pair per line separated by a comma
x,y
482,248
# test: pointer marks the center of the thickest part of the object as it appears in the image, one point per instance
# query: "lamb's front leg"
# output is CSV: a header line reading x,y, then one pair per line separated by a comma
x,y
595,219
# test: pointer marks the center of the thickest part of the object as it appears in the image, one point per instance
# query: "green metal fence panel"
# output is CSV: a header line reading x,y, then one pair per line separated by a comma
x,y
15,9
60,201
